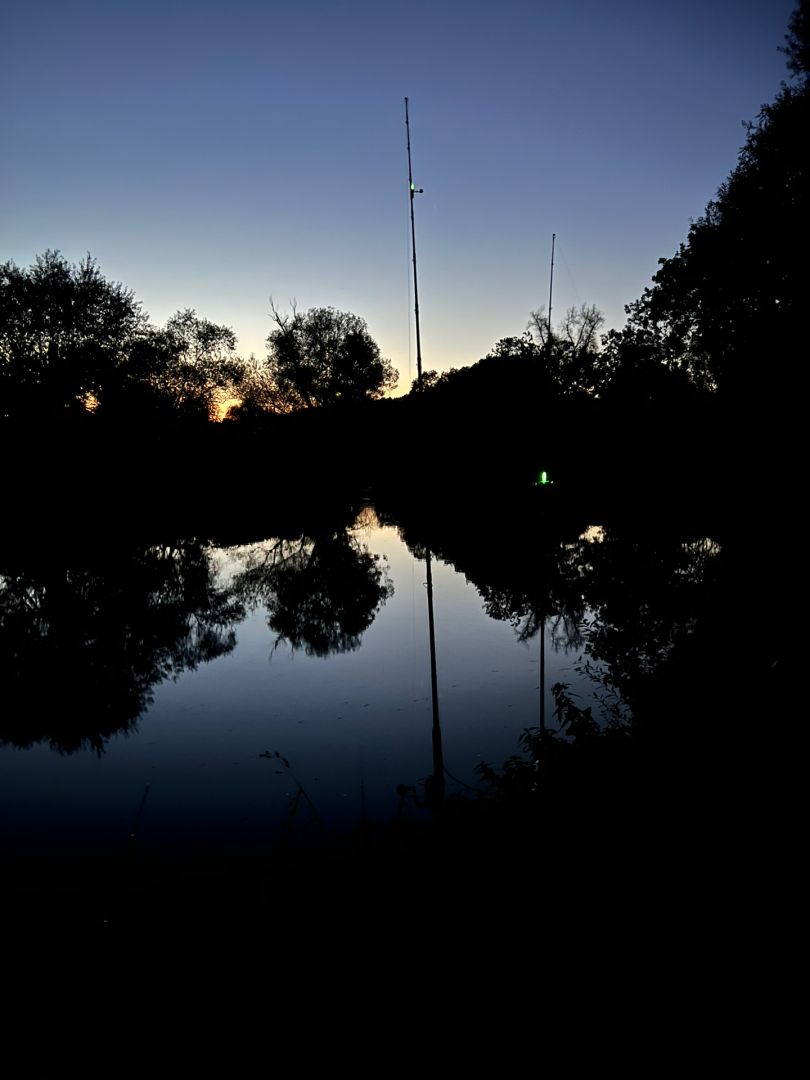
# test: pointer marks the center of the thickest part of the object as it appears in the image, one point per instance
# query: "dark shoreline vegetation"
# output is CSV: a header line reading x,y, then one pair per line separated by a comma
x,y
680,427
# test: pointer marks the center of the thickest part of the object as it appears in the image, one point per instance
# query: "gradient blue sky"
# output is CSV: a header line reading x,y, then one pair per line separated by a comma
x,y
212,154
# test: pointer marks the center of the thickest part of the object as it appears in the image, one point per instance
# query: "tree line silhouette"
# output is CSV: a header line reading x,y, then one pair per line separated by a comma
x,y
710,348
73,343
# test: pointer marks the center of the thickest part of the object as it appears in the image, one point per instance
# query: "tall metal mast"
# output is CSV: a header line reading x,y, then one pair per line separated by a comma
x,y
543,610
551,285
414,191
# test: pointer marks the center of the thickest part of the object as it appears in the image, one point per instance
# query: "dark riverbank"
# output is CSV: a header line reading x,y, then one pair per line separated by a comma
x,y
708,459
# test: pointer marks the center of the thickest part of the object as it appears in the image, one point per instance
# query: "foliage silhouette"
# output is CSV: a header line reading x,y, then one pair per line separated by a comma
x,y
732,297
74,344
572,355
63,328
323,357
259,400
182,372
797,41
565,363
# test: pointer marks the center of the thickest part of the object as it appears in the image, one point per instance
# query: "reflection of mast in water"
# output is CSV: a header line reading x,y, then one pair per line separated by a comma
x,y
543,672
434,786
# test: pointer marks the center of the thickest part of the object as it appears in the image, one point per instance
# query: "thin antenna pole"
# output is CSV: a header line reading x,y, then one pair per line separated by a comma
x,y
437,792
543,609
551,284
414,191
543,671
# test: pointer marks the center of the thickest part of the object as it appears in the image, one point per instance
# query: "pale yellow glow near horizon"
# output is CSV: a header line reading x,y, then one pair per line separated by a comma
x,y
224,405
367,518
594,534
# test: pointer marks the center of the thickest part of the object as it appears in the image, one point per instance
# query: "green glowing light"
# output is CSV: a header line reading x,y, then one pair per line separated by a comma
x,y
543,479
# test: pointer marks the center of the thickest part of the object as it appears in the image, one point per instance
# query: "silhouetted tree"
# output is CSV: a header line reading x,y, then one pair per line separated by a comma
x,y
797,41
637,373
185,370
323,357
571,354
520,348
63,328
502,373
728,308
570,363
432,378
73,342
258,395
200,365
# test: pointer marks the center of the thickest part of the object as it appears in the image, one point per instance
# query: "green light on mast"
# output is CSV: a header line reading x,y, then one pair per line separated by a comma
x,y
543,477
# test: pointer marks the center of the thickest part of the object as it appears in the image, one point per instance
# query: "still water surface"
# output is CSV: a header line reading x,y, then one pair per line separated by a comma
x,y
342,696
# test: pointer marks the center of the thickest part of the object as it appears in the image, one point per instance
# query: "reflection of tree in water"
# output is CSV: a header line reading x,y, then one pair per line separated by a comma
x,y
647,595
545,593
321,594
82,646
624,598
642,594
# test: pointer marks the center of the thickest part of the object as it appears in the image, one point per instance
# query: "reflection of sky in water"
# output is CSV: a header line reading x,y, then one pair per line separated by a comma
x,y
352,726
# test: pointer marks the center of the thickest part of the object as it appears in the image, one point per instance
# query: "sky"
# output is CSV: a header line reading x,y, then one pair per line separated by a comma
x,y
212,155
